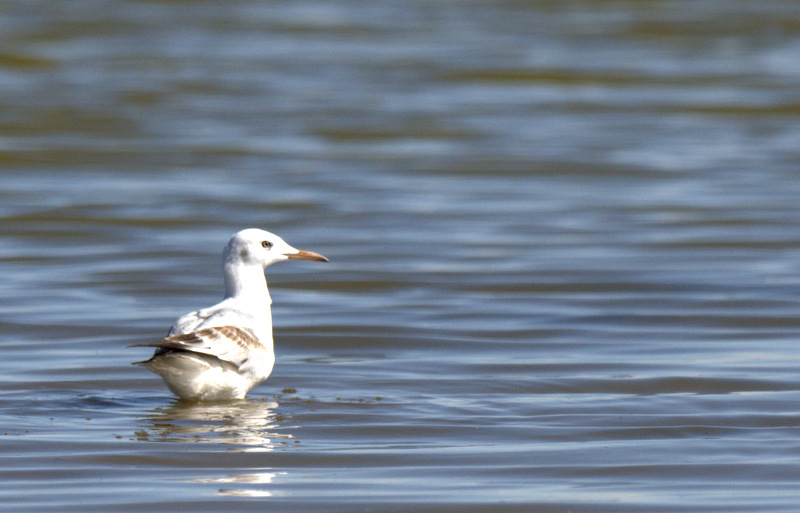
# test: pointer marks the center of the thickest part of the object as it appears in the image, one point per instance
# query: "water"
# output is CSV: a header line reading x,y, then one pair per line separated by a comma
x,y
565,259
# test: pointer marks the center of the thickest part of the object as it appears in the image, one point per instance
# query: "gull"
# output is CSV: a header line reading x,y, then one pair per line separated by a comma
x,y
221,352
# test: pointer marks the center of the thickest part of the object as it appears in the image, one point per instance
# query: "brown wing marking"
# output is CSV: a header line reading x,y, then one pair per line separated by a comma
x,y
200,340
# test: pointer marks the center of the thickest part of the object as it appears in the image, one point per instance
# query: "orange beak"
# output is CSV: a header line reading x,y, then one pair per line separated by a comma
x,y
307,255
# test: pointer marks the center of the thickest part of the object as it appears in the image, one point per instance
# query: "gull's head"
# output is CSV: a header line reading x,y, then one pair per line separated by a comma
x,y
262,248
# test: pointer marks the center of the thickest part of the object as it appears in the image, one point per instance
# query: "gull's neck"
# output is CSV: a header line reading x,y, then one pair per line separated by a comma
x,y
247,283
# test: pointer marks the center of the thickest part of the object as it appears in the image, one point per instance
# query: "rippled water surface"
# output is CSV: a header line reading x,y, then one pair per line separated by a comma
x,y
564,243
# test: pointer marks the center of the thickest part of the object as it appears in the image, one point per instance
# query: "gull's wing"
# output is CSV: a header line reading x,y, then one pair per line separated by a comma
x,y
215,316
228,343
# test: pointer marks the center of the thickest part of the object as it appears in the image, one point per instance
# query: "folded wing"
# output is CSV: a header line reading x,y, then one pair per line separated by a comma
x,y
228,343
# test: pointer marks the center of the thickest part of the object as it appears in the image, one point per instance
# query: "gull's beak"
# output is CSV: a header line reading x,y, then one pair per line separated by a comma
x,y
307,255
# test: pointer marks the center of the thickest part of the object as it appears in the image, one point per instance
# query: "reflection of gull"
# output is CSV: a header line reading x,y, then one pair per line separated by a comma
x,y
244,493
247,425
256,478
222,352
244,423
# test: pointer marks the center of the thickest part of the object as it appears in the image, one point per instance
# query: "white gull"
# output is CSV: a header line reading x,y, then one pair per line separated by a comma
x,y
223,351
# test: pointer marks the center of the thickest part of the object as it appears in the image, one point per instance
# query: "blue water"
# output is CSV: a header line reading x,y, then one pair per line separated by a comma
x,y
563,237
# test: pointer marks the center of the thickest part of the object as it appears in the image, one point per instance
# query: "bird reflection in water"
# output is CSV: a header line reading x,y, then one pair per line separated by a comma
x,y
253,478
243,426
248,424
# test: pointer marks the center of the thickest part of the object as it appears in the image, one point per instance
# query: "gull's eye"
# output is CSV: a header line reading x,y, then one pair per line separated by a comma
x,y
266,244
